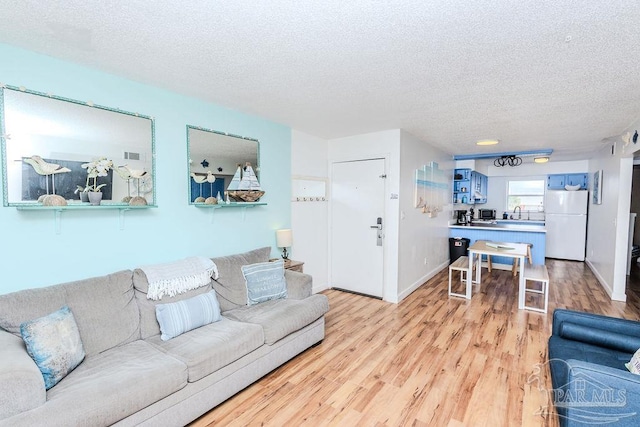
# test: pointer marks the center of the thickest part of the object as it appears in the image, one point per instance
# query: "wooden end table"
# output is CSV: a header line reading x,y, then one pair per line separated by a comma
x,y
292,265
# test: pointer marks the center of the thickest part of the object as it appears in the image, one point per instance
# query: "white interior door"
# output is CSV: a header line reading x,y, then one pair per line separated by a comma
x,y
357,201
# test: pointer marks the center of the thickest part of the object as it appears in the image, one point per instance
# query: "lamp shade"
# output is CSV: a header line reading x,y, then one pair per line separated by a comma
x,y
284,238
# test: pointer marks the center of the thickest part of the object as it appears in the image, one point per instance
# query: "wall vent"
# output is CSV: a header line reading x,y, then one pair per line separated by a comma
x,y
129,155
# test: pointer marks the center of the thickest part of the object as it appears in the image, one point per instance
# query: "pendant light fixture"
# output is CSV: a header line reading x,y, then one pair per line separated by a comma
x,y
510,160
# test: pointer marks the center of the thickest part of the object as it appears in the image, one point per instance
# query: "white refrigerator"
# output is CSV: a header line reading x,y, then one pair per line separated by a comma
x,y
566,223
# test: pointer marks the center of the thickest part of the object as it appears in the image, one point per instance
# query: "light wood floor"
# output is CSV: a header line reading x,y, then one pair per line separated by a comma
x,y
429,361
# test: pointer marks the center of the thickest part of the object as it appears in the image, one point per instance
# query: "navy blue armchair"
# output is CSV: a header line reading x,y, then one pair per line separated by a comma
x,y
587,356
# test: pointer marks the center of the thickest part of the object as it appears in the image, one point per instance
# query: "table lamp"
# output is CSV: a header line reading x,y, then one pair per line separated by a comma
x,y
284,240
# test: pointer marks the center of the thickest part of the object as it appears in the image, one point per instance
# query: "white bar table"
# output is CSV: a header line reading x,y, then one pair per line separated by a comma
x,y
506,249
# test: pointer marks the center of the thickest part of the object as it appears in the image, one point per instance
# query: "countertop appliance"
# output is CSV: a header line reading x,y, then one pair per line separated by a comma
x,y
566,223
486,214
461,216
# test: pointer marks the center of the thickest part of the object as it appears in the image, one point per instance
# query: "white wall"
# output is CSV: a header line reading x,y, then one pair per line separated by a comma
x,y
384,144
420,236
607,229
310,220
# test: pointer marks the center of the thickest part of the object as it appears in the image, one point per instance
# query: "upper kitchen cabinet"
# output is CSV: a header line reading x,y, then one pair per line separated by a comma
x,y
479,185
462,186
469,187
559,181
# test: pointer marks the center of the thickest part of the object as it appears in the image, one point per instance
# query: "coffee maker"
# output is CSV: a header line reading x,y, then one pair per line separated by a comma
x,y
461,217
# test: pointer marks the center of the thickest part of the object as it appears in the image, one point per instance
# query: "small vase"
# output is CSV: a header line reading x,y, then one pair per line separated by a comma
x,y
84,196
95,197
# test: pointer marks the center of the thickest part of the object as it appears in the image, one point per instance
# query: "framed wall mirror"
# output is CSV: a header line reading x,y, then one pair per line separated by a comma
x,y
213,161
50,143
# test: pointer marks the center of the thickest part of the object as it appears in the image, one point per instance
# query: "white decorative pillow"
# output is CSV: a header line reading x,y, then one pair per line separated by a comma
x,y
53,342
265,281
634,364
176,318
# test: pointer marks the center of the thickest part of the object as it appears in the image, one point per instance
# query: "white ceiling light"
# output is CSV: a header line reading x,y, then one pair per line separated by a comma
x,y
541,159
487,142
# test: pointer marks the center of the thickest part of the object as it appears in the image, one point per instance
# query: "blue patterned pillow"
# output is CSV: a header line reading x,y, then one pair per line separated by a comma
x,y
265,281
53,342
179,317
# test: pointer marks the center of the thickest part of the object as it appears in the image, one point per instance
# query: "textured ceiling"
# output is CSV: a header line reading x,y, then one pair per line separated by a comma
x,y
534,74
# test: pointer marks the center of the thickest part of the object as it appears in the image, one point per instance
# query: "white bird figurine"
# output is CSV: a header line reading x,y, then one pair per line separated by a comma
x,y
136,173
43,168
211,178
199,179
124,172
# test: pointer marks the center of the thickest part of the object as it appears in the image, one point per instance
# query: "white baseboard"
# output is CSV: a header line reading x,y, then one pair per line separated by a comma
x,y
402,295
607,288
319,288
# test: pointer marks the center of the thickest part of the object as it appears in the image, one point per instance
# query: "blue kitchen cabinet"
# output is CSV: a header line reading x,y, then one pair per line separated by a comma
x,y
581,179
479,185
462,186
558,181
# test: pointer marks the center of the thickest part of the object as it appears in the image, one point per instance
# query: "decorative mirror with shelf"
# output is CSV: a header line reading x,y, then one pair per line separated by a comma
x,y
49,144
214,158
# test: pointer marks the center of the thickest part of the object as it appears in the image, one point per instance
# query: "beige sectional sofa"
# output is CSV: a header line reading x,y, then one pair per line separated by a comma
x,y
130,376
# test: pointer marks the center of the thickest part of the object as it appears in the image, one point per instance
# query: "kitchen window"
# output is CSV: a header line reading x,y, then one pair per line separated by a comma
x,y
529,195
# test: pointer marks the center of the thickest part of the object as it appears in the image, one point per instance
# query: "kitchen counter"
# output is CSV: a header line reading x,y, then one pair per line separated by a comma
x,y
514,231
532,226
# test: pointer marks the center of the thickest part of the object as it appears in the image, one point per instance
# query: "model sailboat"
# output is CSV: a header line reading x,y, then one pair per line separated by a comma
x,y
244,187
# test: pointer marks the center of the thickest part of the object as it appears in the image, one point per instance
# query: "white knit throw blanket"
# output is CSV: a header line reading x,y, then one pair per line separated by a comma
x,y
173,278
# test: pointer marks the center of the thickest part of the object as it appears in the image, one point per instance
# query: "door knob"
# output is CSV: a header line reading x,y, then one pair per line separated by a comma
x,y
378,227
378,224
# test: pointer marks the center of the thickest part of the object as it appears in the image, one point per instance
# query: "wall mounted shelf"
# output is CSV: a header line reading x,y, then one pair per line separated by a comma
x,y
57,210
242,205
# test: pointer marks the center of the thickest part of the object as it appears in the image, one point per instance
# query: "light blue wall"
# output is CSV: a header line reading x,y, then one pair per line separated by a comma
x,y
91,243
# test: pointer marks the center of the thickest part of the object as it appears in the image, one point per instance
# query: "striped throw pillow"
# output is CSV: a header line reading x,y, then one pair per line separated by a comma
x,y
179,317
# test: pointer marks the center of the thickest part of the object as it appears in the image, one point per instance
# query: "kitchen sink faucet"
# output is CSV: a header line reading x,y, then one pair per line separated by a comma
x,y
519,211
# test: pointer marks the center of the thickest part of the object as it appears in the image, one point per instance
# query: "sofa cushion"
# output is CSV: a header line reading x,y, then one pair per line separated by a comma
x,y
148,320
211,347
104,309
112,385
54,344
265,281
561,350
230,286
600,337
179,317
21,382
281,317
299,285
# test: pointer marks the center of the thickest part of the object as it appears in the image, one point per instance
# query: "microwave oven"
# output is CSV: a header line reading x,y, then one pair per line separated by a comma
x,y
486,214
